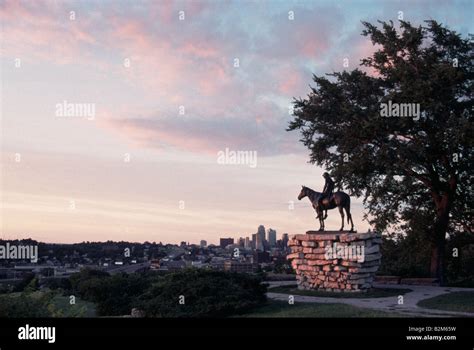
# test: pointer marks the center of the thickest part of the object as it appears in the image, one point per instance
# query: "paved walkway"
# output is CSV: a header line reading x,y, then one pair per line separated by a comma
x,y
388,304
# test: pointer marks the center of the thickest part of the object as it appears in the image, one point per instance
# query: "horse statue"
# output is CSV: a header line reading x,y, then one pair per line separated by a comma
x,y
338,199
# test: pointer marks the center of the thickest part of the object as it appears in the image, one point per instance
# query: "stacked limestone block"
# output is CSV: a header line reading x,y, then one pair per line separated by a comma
x,y
335,261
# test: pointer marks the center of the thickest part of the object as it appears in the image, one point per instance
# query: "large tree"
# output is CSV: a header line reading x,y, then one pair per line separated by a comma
x,y
407,169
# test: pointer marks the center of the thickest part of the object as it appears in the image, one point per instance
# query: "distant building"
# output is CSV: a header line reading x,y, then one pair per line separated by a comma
x,y
155,264
233,247
272,238
253,243
284,240
203,244
239,266
241,242
260,238
217,263
275,252
174,265
261,242
261,257
199,264
261,232
224,242
247,243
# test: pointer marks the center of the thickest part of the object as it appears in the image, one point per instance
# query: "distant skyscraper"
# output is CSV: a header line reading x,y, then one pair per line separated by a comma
x,y
272,237
203,244
247,244
224,242
253,243
260,242
261,231
241,242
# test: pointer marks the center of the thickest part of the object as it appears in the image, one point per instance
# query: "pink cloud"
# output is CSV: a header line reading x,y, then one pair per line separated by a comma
x,y
199,49
42,31
206,135
308,36
291,81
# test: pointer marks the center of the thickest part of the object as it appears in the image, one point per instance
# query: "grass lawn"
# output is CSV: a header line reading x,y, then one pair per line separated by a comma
x,y
456,301
274,309
373,293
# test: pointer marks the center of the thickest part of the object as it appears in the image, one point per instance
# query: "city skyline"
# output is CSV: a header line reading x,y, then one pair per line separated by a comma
x,y
119,120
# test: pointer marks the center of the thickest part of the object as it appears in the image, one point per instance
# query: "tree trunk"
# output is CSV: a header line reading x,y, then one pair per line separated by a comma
x,y
439,239
437,261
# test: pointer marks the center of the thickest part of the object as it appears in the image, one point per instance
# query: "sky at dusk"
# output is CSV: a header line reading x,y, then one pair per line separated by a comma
x,y
172,83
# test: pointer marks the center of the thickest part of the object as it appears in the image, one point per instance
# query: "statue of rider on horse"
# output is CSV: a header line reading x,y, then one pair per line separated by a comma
x,y
327,193
322,202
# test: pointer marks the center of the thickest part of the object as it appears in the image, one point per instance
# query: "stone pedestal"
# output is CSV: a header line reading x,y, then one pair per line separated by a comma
x,y
335,261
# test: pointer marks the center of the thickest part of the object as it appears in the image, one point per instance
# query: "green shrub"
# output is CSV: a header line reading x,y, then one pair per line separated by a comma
x,y
406,256
24,305
460,268
113,295
206,294
25,281
409,256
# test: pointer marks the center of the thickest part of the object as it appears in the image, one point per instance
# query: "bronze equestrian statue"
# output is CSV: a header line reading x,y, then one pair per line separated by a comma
x,y
327,192
328,200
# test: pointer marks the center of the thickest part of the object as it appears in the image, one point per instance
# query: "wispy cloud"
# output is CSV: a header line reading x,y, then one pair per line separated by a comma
x,y
206,135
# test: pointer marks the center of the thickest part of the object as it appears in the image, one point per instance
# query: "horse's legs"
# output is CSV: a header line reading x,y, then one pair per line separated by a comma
x,y
341,211
321,220
349,217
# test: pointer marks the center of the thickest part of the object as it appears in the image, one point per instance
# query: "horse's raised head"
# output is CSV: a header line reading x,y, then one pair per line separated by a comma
x,y
302,193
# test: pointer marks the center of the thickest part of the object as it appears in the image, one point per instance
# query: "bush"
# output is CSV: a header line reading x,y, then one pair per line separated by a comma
x,y
409,256
58,283
460,269
206,294
405,256
25,281
115,295
24,305
112,294
86,274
